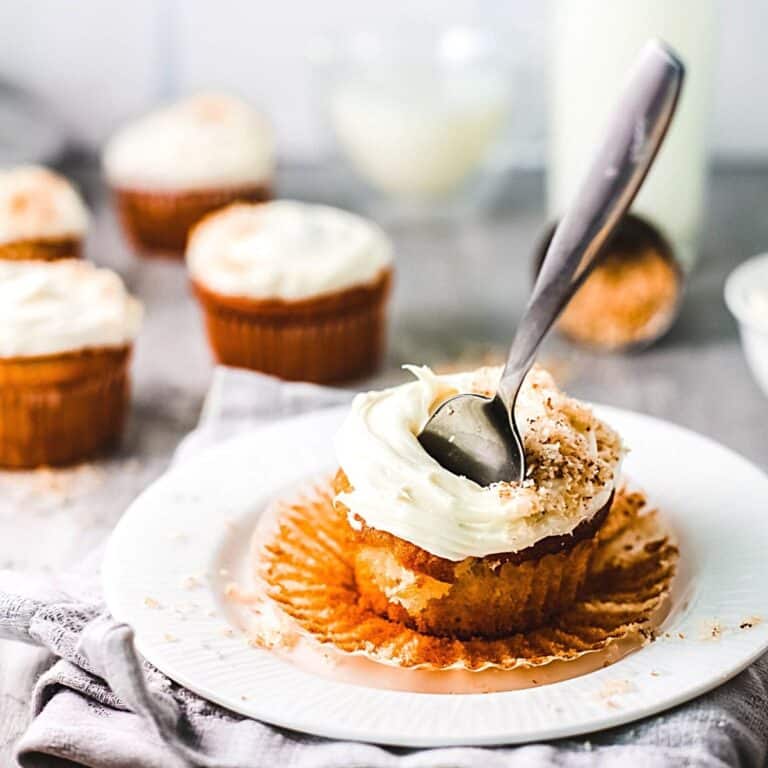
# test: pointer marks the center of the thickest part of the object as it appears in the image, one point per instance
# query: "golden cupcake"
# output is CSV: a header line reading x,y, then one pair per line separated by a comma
x,y
66,333
42,216
170,168
291,289
447,557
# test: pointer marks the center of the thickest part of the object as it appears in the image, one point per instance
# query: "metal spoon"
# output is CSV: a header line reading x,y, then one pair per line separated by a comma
x,y
477,436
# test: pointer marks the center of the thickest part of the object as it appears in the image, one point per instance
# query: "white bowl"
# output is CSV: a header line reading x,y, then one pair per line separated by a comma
x,y
741,287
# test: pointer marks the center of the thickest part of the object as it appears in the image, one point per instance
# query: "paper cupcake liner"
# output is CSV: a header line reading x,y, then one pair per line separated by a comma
x,y
61,409
305,564
332,338
157,222
50,249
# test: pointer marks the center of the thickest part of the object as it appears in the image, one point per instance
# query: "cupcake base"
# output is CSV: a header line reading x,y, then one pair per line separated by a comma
x,y
43,249
330,338
488,596
63,408
484,601
157,222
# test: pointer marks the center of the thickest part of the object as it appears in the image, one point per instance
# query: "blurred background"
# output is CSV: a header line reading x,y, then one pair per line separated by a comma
x,y
97,63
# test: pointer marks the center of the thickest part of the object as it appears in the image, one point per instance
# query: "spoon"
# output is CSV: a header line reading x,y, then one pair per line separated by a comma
x,y
477,436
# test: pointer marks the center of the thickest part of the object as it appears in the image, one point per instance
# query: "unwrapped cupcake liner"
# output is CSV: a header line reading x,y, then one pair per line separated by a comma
x,y
63,408
304,564
157,222
43,249
332,338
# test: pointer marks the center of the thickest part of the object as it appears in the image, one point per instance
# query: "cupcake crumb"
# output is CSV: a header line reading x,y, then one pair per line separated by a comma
x,y
191,582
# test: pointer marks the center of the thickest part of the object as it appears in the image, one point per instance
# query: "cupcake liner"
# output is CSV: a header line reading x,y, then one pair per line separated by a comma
x,y
331,338
157,222
63,408
43,249
305,565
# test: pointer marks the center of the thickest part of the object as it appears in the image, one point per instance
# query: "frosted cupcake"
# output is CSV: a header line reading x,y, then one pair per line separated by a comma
x,y
170,168
451,558
66,332
41,215
292,289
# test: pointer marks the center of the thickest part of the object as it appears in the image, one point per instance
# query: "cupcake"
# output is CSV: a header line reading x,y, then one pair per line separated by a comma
x,y
172,167
66,331
448,557
292,289
41,215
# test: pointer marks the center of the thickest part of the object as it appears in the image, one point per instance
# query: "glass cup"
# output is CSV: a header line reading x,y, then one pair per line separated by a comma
x,y
419,114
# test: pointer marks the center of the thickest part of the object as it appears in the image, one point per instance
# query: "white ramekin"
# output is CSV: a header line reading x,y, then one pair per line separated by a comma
x,y
740,287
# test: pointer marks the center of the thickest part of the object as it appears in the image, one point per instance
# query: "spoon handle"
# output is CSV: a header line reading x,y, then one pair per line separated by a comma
x,y
619,166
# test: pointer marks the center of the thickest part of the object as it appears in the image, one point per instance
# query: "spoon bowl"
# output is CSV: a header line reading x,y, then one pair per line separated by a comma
x,y
473,436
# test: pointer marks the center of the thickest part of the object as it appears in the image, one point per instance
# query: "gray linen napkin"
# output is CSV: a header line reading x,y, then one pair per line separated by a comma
x,y
100,706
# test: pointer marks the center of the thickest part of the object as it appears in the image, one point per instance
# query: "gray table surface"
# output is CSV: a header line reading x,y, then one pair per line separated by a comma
x,y
461,285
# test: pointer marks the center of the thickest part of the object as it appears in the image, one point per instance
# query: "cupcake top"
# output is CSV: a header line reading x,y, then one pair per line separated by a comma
x,y
285,250
62,306
37,204
573,461
208,140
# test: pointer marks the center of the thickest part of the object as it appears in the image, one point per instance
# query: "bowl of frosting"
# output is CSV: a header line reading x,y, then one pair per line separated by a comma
x,y
746,294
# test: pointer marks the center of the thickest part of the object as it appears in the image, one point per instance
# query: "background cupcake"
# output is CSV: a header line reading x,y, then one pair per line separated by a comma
x,y
41,215
66,332
292,289
170,168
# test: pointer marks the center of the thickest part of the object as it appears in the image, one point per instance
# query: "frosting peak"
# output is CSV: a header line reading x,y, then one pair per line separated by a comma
x,y
61,306
573,460
286,250
206,140
36,203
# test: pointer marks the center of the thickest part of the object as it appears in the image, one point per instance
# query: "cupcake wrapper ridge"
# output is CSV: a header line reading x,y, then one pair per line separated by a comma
x,y
157,222
339,337
43,249
61,409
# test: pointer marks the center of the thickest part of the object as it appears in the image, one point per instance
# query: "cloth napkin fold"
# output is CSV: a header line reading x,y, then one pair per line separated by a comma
x,y
100,706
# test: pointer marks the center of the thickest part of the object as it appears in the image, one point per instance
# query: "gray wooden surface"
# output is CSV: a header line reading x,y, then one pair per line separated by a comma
x,y
460,288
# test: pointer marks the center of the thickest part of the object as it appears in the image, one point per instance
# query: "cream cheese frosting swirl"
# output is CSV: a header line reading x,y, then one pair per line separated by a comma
x,y
204,141
37,204
285,250
62,306
573,463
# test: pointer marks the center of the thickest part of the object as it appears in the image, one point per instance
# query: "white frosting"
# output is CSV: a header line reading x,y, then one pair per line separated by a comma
x,y
206,140
397,487
285,250
36,203
60,306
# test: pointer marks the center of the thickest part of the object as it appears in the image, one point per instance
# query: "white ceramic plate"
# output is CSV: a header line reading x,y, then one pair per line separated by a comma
x,y
186,536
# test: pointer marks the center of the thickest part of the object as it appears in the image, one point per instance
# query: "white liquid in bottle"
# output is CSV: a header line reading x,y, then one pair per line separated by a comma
x,y
595,43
